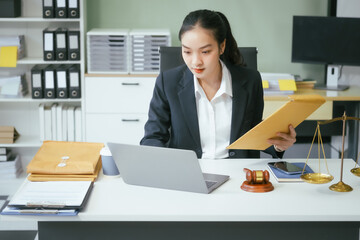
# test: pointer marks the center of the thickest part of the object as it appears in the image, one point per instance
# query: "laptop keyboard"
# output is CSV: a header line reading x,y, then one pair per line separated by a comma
x,y
209,184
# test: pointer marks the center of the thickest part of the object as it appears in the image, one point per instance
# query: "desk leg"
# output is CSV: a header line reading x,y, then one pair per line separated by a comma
x,y
353,139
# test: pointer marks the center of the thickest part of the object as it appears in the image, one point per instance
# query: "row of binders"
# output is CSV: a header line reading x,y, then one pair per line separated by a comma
x,y
56,81
61,44
59,122
61,9
121,51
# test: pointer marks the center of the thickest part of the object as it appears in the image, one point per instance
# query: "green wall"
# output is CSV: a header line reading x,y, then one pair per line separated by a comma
x,y
266,24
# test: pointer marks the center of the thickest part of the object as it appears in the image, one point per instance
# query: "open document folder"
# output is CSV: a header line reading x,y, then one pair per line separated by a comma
x,y
293,112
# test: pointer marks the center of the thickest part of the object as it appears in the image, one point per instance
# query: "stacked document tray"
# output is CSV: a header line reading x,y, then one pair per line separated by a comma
x,y
145,56
108,51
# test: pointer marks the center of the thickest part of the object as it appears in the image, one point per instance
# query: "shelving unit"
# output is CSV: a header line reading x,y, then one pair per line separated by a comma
x,y
23,113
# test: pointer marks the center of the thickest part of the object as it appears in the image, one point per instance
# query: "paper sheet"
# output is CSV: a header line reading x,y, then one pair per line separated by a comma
x,y
67,193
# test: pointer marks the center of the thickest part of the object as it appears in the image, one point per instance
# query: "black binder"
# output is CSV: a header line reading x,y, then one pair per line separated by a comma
x,y
48,9
50,81
49,44
73,8
73,45
61,44
60,8
74,81
37,81
10,8
62,81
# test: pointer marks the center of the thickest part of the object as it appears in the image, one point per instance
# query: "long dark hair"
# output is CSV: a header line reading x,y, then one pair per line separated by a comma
x,y
219,25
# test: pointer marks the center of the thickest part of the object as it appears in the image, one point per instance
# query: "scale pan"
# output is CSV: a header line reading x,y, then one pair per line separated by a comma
x,y
316,178
355,171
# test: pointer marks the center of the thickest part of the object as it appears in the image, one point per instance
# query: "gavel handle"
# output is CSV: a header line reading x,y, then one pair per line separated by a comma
x,y
246,170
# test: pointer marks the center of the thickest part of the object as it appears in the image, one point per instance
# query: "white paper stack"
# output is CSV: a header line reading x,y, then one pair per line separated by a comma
x,y
145,43
19,41
108,51
11,168
13,86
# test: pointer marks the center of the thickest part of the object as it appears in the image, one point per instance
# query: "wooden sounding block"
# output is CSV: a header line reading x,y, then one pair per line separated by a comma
x,y
257,181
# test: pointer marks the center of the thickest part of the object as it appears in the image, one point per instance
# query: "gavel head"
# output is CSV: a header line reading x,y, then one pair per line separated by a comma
x,y
257,176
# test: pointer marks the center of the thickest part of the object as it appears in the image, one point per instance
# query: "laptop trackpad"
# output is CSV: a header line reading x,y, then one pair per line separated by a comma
x,y
214,180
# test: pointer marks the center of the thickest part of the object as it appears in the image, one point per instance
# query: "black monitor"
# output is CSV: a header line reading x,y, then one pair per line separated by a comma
x,y
333,41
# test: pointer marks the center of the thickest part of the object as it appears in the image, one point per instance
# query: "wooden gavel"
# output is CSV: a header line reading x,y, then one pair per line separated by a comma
x,y
257,176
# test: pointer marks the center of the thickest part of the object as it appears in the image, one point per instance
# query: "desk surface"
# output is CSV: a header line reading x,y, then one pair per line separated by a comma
x,y
113,200
351,94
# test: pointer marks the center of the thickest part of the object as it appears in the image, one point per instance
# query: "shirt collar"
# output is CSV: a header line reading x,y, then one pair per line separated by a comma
x,y
225,86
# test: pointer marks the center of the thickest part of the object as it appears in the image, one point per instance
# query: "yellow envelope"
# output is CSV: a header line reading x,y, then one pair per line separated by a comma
x,y
57,157
66,177
293,112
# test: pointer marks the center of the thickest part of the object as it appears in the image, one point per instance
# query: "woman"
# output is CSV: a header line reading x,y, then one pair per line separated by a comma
x,y
212,100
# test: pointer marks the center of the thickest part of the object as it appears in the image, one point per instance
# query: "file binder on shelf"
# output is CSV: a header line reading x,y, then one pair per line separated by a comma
x,y
71,123
53,121
61,44
50,81
10,8
37,81
73,8
47,123
60,8
73,45
74,81
59,125
62,81
49,44
78,125
42,121
48,9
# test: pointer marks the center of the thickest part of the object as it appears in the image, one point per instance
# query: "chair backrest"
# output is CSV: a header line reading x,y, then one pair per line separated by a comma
x,y
170,57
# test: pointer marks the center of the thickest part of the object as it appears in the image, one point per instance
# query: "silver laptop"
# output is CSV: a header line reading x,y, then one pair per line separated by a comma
x,y
167,168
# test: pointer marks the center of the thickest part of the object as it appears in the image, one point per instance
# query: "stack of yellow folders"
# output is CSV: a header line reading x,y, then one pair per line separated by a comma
x,y
66,161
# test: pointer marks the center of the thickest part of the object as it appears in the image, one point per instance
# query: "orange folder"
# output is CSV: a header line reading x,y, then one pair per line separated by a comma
x,y
293,112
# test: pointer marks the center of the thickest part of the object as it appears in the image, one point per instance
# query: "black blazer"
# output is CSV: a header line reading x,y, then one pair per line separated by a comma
x,y
173,120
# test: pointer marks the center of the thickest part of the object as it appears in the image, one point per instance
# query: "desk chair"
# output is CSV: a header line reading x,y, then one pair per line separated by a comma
x,y
170,57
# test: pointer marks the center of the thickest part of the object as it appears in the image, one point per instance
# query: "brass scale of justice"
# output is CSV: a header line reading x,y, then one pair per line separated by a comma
x,y
321,178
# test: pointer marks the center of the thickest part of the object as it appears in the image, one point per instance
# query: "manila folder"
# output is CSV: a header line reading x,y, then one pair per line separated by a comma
x,y
293,112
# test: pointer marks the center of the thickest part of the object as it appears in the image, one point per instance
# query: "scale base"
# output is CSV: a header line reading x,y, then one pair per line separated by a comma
x,y
340,187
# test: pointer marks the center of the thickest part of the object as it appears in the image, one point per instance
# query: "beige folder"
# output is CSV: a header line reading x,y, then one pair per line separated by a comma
x,y
293,112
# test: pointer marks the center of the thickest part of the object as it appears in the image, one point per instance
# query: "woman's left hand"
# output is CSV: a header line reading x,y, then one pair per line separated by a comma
x,y
284,140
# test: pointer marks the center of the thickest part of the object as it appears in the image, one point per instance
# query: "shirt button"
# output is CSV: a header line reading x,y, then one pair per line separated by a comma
x,y
231,154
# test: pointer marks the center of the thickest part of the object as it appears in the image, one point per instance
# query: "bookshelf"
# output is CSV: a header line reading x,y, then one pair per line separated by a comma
x,y
23,112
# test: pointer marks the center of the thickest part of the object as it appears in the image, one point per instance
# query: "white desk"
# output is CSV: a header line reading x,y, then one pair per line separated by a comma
x,y
115,204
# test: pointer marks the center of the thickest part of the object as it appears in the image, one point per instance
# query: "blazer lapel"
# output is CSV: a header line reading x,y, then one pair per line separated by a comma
x,y
188,104
240,98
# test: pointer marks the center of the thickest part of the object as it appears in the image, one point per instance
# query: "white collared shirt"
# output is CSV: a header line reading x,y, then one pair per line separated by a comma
x,y
215,117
